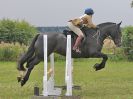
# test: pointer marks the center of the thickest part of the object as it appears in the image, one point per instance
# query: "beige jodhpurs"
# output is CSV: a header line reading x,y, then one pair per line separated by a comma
x,y
75,29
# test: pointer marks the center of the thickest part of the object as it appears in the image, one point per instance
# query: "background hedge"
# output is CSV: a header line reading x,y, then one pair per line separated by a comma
x,y
10,51
12,31
127,42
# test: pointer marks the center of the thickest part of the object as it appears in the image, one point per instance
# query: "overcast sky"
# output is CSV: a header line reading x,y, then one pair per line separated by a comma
x,y
58,12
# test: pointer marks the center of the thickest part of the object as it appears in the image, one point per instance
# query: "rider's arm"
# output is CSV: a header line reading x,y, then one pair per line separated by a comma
x,y
76,21
89,22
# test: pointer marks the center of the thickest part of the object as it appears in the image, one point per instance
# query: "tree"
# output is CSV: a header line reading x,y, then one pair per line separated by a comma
x,y
127,42
132,4
12,31
7,28
24,32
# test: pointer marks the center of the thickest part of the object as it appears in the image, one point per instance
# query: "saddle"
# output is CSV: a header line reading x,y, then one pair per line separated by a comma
x,y
68,32
73,35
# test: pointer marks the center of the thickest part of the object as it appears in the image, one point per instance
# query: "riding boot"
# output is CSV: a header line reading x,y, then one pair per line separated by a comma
x,y
77,43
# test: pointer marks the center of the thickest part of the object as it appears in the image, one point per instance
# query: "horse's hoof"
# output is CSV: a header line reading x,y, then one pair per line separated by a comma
x,y
96,67
19,79
23,69
22,83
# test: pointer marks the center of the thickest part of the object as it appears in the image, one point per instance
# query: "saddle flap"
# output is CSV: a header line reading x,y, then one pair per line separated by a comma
x,y
68,32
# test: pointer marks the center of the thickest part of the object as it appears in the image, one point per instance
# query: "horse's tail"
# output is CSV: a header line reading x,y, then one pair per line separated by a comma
x,y
24,58
31,47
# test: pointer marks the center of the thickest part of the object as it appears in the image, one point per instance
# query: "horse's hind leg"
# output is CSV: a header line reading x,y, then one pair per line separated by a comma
x,y
29,60
32,63
23,59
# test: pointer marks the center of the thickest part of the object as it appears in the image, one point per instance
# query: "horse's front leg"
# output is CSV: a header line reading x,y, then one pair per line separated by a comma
x,y
98,66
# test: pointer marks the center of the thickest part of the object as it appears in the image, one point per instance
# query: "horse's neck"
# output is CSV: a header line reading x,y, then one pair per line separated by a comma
x,y
103,35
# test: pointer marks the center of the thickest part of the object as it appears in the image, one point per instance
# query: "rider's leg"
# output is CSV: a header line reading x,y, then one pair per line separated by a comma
x,y
77,43
77,31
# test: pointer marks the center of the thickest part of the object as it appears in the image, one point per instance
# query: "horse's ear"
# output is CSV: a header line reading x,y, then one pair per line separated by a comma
x,y
119,23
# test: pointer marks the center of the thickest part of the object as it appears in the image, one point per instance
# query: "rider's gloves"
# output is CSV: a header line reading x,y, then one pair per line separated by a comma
x,y
97,28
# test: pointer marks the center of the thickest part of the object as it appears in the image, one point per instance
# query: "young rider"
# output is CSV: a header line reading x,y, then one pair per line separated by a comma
x,y
84,20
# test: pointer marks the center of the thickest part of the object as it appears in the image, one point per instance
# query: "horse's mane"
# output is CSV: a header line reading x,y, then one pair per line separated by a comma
x,y
90,31
106,23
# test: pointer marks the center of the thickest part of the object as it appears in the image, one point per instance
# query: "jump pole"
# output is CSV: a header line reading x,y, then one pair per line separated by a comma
x,y
45,77
68,72
48,84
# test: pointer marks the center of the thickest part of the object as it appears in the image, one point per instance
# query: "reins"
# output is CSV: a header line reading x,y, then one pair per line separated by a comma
x,y
98,36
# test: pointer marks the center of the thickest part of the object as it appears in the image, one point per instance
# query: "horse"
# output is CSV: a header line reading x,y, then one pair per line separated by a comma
x,y
90,47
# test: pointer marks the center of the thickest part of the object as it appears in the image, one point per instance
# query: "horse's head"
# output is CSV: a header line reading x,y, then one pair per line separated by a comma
x,y
115,33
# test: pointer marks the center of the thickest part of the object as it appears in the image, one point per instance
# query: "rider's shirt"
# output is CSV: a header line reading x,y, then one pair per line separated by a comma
x,y
85,19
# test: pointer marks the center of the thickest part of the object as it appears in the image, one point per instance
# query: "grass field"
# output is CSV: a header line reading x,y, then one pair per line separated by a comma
x,y
113,82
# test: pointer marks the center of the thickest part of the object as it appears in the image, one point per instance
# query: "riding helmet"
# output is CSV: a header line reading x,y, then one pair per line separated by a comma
x,y
89,11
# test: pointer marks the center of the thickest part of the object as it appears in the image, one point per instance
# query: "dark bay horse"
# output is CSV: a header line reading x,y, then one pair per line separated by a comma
x,y
90,47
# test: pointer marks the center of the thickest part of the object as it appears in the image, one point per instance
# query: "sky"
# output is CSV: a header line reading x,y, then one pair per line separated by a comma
x,y
58,12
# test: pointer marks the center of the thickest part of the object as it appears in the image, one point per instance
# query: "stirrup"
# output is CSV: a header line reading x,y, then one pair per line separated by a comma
x,y
74,48
78,51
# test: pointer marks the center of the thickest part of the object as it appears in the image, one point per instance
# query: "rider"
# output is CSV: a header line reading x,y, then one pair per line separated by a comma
x,y
75,25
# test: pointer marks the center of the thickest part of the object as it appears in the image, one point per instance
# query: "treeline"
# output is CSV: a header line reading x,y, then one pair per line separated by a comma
x,y
56,29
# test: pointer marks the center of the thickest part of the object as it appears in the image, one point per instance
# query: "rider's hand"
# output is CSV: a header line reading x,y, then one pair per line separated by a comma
x,y
80,25
97,28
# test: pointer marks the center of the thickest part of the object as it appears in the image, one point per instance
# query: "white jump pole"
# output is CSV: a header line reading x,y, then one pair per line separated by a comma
x,y
52,64
51,83
48,84
45,79
68,73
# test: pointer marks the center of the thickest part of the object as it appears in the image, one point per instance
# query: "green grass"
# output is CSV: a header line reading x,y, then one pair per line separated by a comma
x,y
113,82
